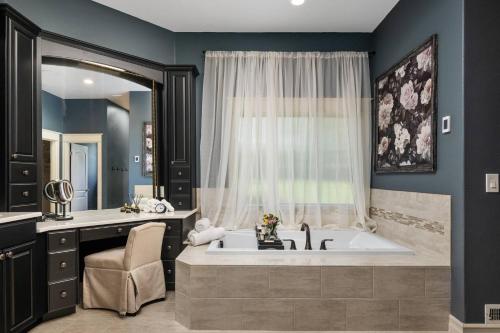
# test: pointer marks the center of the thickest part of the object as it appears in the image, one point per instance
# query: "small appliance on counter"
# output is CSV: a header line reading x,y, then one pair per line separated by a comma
x,y
60,193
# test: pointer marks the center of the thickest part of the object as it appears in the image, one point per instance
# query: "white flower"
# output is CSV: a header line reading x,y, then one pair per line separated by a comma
x,y
383,145
402,138
424,140
384,113
408,98
405,163
424,59
401,71
382,83
426,94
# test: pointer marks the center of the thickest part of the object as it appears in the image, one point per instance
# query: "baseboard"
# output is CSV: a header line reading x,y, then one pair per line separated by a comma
x,y
456,326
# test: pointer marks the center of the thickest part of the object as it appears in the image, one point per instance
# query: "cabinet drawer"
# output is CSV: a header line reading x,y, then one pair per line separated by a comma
x,y
120,230
181,202
62,240
15,233
62,295
22,172
169,270
171,248
20,194
180,188
33,207
172,228
180,173
62,266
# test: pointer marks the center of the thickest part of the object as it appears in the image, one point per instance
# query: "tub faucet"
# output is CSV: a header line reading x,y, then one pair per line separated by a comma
x,y
305,227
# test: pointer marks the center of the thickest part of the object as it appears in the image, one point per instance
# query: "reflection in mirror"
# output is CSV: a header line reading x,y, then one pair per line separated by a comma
x,y
97,134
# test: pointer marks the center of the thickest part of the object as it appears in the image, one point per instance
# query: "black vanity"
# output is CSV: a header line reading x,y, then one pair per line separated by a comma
x,y
41,263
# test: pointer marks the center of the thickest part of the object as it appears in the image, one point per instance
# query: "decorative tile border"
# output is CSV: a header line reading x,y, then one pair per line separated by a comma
x,y
416,222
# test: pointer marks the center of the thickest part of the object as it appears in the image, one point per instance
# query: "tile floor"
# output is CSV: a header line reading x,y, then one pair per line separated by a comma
x,y
156,317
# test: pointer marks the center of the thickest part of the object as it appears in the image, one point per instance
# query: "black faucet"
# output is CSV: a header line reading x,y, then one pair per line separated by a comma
x,y
292,243
305,227
323,243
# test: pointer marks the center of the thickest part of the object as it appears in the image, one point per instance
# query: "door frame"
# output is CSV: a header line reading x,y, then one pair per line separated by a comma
x,y
54,138
70,138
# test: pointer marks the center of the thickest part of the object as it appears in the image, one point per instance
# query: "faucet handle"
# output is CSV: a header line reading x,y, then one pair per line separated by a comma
x,y
292,243
323,243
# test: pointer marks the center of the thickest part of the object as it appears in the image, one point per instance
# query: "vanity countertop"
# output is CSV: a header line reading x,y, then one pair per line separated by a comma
x,y
91,218
6,217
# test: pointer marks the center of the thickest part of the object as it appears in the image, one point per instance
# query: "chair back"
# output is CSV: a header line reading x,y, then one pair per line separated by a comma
x,y
144,245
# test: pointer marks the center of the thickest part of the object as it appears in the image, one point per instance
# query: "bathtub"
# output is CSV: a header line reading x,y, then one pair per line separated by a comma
x,y
346,242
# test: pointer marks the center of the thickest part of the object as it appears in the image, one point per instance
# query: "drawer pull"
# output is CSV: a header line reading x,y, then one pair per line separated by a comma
x,y
169,271
179,188
63,294
180,203
9,254
63,265
26,172
169,247
62,241
169,227
15,156
179,173
2,257
26,194
119,230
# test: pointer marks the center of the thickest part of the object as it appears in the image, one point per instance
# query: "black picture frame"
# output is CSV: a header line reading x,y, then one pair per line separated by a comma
x,y
405,148
147,149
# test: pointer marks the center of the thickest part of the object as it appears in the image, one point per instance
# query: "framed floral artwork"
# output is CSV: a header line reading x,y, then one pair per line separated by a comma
x,y
147,149
405,113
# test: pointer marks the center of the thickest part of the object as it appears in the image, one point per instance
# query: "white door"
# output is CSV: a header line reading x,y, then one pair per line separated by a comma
x,y
79,177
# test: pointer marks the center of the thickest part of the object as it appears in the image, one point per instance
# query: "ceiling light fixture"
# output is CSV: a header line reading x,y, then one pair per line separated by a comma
x,y
297,2
88,81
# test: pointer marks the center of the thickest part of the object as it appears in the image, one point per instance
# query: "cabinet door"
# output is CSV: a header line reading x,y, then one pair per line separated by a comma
x,y
19,282
22,73
179,114
3,325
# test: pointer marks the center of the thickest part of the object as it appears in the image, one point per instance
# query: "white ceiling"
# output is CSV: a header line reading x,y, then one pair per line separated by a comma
x,y
67,83
258,15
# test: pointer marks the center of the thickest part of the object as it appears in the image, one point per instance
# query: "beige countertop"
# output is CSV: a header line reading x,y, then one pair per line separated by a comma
x,y
17,216
198,256
91,218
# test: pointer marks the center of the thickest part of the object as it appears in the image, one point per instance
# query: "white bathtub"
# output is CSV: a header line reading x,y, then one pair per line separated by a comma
x,y
346,242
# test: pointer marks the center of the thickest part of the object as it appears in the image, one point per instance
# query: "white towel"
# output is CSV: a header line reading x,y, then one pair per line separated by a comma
x,y
202,224
204,237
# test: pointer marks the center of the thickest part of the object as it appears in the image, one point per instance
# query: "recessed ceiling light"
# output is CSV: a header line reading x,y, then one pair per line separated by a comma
x,y
88,81
297,2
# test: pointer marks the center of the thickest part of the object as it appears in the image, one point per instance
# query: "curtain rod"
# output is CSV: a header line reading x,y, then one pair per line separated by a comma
x,y
370,53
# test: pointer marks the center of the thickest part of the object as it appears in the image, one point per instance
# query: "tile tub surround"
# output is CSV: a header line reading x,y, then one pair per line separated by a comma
x,y
312,298
421,221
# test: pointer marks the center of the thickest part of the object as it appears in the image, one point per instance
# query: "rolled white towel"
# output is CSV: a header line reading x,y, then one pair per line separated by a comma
x,y
202,224
204,237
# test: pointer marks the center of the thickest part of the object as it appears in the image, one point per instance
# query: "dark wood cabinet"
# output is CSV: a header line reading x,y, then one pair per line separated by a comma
x,y
178,132
17,277
21,123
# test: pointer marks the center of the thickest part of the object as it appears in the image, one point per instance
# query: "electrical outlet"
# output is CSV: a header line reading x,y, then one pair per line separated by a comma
x,y
137,159
446,125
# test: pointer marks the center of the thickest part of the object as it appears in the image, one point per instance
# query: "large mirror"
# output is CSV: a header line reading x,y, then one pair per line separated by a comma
x,y
97,133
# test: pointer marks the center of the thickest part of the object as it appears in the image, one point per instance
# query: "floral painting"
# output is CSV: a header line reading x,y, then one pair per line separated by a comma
x,y
147,150
405,113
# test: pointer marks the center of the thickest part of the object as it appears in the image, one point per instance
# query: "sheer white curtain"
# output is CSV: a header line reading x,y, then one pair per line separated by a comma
x,y
286,133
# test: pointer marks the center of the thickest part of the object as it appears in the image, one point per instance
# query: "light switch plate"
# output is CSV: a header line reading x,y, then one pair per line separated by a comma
x,y
492,182
136,159
446,125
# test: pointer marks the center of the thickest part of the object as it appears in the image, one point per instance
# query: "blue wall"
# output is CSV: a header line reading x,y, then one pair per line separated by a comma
x,y
94,23
117,133
189,49
408,25
140,112
53,112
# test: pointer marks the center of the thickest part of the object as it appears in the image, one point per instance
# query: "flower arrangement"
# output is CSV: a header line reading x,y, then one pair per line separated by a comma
x,y
270,222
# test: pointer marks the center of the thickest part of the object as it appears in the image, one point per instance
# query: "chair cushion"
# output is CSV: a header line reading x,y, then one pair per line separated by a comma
x,y
109,259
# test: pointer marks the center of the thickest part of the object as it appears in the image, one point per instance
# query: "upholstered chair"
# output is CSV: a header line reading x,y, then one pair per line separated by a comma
x,y
123,279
